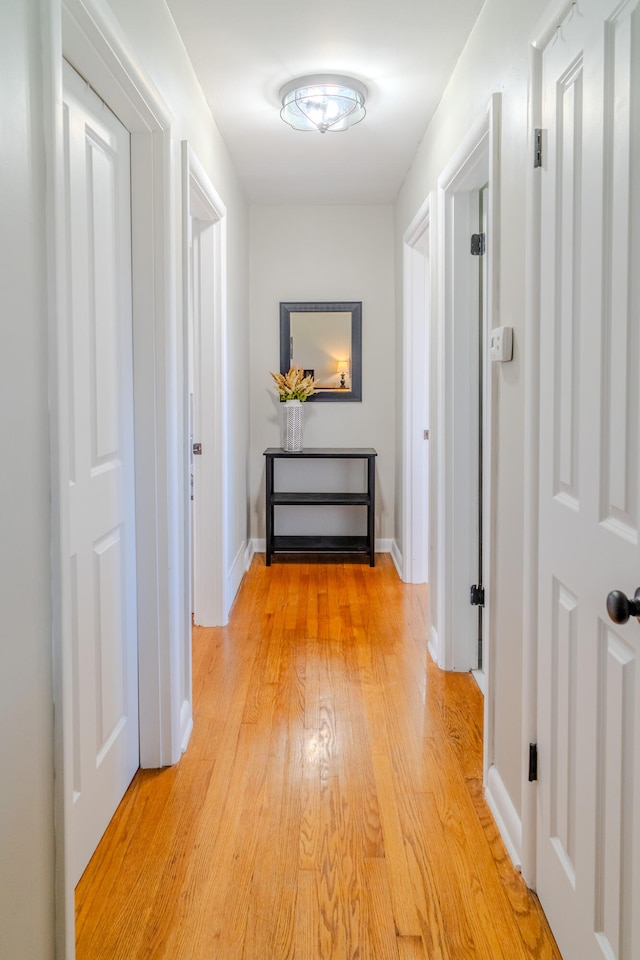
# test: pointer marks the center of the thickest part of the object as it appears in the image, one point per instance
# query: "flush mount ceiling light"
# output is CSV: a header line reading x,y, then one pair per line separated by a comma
x,y
323,102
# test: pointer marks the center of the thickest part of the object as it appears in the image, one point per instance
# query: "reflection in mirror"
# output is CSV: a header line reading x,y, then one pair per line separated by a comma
x,y
325,340
319,342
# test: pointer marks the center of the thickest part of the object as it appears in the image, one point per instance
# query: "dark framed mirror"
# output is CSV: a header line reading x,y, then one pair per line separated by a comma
x,y
325,339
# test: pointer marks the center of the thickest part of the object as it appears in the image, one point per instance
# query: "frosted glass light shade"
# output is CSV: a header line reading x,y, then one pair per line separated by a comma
x,y
323,102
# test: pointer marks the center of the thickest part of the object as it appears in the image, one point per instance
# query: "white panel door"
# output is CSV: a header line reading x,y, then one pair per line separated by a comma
x,y
207,536
100,470
589,667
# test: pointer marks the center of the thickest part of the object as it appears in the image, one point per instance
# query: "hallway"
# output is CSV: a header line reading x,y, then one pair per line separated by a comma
x,y
329,804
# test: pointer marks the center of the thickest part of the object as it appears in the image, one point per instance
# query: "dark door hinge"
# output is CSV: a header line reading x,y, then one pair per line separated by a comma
x,y
478,244
533,762
476,598
197,449
537,148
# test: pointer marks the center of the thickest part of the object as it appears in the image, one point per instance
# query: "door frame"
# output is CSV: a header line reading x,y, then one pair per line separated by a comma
x,y
476,161
417,284
545,31
201,201
452,623
89,37
100,783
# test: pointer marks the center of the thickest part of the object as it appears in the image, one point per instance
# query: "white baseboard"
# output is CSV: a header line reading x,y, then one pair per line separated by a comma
x,y
396,556
480,678
506,816
186,724
433,644
234,578
249,551
259,545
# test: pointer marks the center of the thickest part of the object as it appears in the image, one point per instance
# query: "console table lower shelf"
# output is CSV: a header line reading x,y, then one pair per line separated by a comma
x,y
321,543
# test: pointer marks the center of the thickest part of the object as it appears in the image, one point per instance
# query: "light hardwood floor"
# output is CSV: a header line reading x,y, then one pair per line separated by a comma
x,y
329,804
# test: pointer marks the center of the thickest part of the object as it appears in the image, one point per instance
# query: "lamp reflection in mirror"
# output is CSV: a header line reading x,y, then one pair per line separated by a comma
x,y
343,370
324,102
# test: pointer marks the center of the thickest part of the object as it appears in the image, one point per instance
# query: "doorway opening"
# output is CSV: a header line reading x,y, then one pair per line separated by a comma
x,y
464,407
99,519
478,249
462,506
416,379
85,37
204,293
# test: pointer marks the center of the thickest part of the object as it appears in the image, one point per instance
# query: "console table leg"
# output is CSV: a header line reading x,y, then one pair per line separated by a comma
x,y
371,518
269,511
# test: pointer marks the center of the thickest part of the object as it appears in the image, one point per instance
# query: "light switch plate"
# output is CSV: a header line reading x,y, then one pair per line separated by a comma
x,y
501,344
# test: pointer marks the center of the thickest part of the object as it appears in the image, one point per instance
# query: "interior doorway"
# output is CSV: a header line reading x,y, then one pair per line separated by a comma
x,y
204,287
417,384
478,250
100,517
85,38
462,485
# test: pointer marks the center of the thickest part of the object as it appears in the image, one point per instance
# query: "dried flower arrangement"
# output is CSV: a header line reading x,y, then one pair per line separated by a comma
x,y
294,385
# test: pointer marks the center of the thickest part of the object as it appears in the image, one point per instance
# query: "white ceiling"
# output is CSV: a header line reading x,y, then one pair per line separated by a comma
x,y
243,51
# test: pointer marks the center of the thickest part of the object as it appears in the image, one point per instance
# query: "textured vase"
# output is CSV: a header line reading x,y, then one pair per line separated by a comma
x,y
292,425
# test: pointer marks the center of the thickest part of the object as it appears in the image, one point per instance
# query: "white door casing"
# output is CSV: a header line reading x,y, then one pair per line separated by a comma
x,y
101,515
588,834
88,35
453,448
416,381
454,493
92,43
205,307
486,370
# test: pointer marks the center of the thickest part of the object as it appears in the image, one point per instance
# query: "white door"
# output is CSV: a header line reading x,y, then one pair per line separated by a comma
x,y
416,388
482,412
588,872
101,534
201,394
207,552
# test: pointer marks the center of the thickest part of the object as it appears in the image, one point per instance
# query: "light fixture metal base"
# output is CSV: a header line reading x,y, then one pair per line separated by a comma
x,y
324,102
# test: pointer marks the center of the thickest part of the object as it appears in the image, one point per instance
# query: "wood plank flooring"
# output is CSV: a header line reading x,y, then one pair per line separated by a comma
x,y
329,804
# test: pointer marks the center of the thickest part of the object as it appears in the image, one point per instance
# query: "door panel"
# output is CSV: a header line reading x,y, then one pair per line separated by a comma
x,y
617,703
589,675
101,468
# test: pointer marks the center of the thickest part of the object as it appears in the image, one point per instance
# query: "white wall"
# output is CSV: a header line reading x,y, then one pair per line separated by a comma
x,y
495,60
26,702
324,253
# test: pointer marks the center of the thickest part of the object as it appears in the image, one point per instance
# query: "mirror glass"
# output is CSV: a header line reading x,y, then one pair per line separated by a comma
x,y
325,339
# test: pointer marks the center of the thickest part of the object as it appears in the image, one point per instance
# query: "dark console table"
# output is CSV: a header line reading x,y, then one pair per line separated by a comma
x,y
321,543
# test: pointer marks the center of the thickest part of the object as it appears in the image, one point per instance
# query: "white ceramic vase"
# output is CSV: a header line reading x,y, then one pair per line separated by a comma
x,y
292,425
